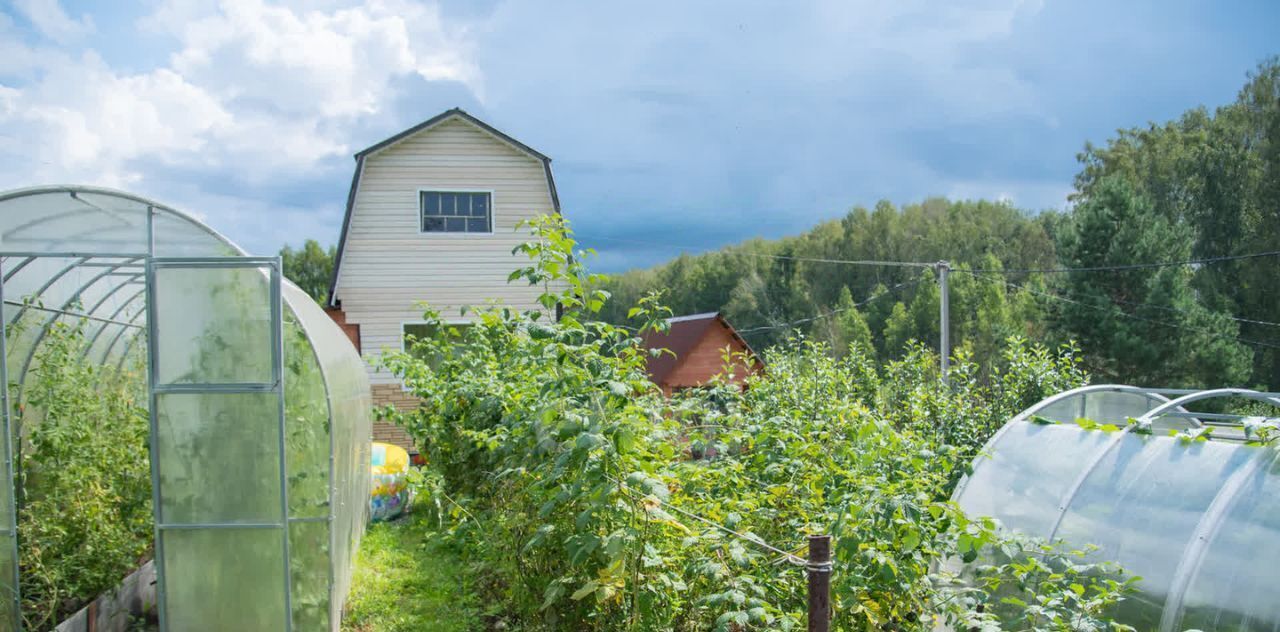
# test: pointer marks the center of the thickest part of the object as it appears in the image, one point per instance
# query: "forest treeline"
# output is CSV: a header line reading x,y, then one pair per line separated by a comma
x,y
1204,186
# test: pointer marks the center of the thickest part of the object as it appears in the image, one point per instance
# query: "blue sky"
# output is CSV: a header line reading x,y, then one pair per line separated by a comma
x,y
671,124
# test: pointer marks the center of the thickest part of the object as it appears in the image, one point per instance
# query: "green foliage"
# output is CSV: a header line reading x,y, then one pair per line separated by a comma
x,y
1208,180
570,481
847,327
85,520
310,268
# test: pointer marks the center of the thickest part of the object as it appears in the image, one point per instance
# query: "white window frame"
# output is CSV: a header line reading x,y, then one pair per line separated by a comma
x,y
493,213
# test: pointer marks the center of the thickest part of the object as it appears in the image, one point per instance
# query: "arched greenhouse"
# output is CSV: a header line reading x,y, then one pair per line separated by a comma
x,y
1165,482
258,404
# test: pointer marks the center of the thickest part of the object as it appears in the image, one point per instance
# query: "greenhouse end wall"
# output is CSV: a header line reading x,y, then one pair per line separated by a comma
x,y
260,405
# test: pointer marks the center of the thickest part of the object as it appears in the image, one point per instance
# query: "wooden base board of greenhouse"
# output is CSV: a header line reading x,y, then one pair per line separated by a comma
x,y
120,609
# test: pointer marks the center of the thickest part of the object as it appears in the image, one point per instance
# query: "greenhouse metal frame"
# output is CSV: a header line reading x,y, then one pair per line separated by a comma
x,y
259,405
1187,499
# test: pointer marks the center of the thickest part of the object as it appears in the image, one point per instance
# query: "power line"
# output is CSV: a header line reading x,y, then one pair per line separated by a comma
x,y
830,313
1131,266
922,264
859,262
1183,312
1145,320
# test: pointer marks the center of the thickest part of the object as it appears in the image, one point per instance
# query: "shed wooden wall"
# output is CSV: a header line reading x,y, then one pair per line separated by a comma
x,y
706,360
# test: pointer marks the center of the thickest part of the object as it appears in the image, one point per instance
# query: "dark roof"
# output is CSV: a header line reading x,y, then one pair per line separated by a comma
x,y
440,118
682,336
427,124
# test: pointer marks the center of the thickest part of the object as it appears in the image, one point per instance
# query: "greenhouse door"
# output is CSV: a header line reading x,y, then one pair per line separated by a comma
x,y
218,443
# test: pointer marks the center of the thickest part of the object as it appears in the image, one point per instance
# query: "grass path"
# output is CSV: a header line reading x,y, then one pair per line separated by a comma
x,y
407,579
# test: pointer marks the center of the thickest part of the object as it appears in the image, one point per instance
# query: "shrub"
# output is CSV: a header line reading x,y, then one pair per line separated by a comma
x,y
566,475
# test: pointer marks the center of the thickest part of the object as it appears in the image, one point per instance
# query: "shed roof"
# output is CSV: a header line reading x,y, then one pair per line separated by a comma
x,y
682,336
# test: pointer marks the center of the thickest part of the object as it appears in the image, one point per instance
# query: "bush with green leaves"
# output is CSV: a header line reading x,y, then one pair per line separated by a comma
x,y
571,481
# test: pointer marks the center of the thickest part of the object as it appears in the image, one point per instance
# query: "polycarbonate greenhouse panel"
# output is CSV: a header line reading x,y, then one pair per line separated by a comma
x,y
62,220
1235,586
218,418
219,457
1110,407
309,572
1030,469
214,325
224,579
306,425
349,408
1198,521
8,605
1141,505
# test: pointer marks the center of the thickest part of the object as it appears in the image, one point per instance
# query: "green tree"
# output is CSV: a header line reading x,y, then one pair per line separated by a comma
x,y
311,268
845,328
1218,173
1142,325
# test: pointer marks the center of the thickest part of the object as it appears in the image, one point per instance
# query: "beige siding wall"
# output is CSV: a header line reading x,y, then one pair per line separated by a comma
x,y
389,265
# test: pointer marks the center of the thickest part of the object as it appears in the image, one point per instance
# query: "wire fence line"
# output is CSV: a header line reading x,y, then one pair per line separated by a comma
x,y
752,538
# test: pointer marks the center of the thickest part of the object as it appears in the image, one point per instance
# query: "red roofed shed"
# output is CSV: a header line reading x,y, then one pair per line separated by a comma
x,y
698,342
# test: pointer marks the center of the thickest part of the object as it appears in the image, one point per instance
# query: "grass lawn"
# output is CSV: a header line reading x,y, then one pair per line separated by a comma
x,y
407,579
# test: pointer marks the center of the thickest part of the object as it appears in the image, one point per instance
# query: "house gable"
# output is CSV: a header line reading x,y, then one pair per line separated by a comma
x,y
388,264
453,122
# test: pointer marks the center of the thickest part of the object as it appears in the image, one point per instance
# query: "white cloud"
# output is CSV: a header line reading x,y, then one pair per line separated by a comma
x,y
253,91
326,64
52,21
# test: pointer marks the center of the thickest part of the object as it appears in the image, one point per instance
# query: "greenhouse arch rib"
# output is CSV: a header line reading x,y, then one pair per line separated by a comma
x,y
1080,392
1151,415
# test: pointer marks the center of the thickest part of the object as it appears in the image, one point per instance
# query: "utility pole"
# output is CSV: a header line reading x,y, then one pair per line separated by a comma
x,y
944,342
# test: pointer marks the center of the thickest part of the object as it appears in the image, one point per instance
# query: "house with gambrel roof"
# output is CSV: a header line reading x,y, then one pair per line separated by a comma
x,y
431,216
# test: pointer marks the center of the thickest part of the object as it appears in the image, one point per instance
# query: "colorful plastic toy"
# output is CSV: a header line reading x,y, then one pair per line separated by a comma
x,y
390,493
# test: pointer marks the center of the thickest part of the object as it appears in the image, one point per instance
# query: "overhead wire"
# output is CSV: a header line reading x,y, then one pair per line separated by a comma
x,y
976,271
924,264
1130,266
861,262
1140,318
890,290
1175,310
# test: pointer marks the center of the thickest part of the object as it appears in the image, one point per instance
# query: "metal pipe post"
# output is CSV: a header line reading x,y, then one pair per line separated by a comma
x,y
944,342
